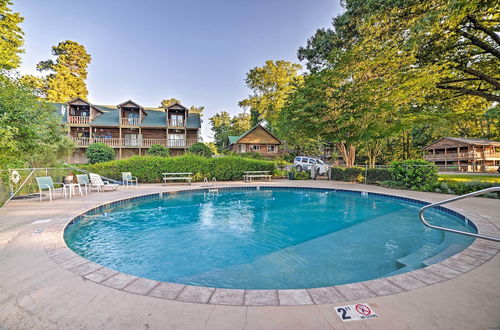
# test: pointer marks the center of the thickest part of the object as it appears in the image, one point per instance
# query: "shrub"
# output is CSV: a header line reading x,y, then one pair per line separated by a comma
x,y
353,174
99,152
158,150
150,168
302,175
414,174
200,149
253,155
378,175
337,173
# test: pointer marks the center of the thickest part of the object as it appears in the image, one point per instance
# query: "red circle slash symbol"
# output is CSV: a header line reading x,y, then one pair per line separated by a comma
x,y
363,309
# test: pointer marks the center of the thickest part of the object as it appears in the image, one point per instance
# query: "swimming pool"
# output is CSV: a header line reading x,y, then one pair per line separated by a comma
x,y
265,238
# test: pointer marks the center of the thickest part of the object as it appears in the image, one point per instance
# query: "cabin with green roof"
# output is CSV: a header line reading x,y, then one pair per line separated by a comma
x,y
257,139
128,127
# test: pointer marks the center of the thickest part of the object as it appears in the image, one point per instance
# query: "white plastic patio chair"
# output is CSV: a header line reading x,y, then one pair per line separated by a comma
x,y
83,180
96,181
129,179
46,183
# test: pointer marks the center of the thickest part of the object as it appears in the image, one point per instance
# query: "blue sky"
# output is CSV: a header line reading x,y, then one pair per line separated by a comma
x,y
194,50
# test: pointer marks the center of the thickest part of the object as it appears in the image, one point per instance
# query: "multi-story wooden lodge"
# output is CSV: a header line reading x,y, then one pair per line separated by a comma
x,y
129,128
466,155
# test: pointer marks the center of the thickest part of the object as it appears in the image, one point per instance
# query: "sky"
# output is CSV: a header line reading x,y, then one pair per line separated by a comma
x,y
193,50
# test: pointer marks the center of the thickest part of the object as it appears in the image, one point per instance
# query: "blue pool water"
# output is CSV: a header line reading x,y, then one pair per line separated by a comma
x,y
265,239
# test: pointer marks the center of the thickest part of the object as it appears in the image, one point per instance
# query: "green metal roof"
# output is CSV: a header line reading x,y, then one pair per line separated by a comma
x,y
233,139
155,117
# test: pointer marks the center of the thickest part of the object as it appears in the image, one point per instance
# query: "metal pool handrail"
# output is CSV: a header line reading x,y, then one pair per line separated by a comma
x,y
472,194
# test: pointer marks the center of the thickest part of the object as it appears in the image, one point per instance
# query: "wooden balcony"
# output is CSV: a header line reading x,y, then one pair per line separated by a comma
x,y
478,155
139,143
176,123
130,121
80,120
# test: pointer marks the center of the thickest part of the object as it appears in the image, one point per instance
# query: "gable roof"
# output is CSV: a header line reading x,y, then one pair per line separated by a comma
x,y
128,101
469,141
76,99
235,139
176,104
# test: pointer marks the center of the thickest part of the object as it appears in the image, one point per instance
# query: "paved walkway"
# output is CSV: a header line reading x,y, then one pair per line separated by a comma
x,y
37,293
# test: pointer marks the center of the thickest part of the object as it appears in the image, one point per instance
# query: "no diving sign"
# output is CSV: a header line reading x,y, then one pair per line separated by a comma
x,y
355,312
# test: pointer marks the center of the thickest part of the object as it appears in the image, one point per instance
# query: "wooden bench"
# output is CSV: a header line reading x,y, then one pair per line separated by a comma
x,y
249,175
177,176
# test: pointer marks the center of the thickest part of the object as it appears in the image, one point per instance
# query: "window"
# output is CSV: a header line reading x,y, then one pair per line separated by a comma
x,y
311,161
271,148
255,148
241,148
304,160
297,159
176,120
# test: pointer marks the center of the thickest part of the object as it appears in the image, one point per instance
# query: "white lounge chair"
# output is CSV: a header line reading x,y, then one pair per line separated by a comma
x,y
96,181
129,179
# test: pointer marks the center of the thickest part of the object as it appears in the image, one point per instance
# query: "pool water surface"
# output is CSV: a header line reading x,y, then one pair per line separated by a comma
x,y
269,238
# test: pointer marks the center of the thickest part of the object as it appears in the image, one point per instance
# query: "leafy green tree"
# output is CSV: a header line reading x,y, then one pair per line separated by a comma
x,y
99,153
30,131
221,124
200,149
11,40
158,150
68,72
240,124
168,102
270,85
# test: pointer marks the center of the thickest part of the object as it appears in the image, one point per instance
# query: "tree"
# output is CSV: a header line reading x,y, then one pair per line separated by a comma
x,y
240,124
99,153
270,85
68,72
31,133
12,40
221,124
388,67
200,149
168,102
158,150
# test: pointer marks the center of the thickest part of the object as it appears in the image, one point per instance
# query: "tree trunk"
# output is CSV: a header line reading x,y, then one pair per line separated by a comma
x,y
373,150
348,153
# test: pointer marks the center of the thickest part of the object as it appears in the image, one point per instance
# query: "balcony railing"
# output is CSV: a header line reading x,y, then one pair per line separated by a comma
x,y
463,155
79,120
130,121
138,143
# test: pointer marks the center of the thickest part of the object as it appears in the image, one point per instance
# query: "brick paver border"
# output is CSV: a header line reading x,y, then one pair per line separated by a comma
x,y
473,256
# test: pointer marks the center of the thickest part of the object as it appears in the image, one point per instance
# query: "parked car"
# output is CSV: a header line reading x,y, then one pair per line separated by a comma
x,y
303,163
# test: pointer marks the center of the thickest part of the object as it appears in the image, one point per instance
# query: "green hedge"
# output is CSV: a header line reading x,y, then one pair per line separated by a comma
x,y
354,174
349,174
337,173
378,175
414,174
150,168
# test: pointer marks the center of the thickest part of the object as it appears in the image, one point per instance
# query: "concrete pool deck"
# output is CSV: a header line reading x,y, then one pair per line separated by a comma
x,y
36,292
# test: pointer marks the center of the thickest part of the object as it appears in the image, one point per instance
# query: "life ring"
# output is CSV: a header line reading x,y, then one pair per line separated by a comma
x,y
15,176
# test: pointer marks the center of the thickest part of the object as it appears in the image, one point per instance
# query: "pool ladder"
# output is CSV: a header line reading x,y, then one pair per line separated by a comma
x,y
472,194
211,185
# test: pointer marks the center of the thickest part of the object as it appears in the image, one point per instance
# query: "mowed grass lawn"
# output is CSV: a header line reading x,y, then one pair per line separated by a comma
x,y
471,177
